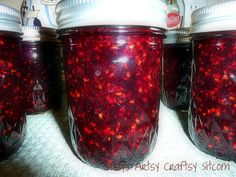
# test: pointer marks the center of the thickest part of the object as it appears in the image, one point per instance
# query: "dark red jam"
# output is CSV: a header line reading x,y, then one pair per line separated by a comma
x,y
41,75
177,60
113,79
12,116
212,122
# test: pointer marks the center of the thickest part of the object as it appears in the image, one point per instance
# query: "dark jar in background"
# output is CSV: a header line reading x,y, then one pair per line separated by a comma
x,y
176,69
212,116
40,63
12,115
113,76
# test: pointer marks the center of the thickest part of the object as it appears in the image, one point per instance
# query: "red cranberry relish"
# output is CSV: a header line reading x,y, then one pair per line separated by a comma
x,y
35,78
113,81
40,63
177,62
12,117
213,106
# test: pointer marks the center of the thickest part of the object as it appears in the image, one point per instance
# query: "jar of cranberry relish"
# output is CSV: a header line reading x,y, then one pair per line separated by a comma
x,y
212,116
12,116
113,74
40,63
176,69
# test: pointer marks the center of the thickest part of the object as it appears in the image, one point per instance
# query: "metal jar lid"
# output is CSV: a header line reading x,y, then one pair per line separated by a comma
x,y
9,19
216,17
211,2
74,13
177,36
33,34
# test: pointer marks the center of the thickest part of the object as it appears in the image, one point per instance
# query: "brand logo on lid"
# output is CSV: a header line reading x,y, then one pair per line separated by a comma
x,y
173,20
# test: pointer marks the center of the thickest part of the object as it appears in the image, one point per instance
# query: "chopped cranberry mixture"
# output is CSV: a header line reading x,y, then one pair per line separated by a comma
x,y
12,117
213,106
113,80
177,62
40,63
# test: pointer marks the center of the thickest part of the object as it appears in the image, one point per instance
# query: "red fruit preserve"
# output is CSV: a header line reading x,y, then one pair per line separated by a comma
x,y
12,117
40,63
177,60
212,121
113,75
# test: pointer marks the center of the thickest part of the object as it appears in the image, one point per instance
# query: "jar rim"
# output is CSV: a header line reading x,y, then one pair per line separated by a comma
x,y
34,33
9,19
216,17
178,36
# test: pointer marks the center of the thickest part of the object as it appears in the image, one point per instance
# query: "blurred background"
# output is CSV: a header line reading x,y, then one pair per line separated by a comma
x,y
14,3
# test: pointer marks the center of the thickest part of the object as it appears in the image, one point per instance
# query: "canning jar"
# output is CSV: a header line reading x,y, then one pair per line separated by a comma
x,y
212,116
12,116
176,69
40,64
113,74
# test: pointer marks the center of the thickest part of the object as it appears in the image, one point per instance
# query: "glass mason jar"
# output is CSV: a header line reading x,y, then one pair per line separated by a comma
x,y
176,69
12,116
40,62
113,74
212,116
